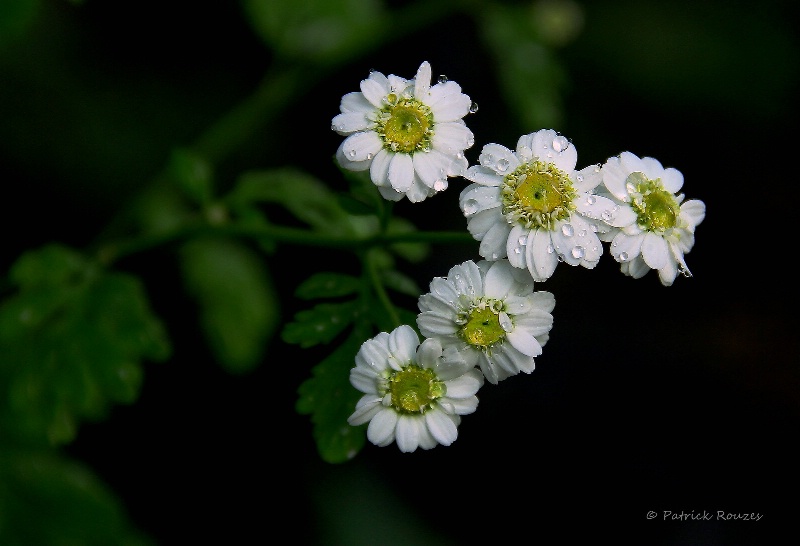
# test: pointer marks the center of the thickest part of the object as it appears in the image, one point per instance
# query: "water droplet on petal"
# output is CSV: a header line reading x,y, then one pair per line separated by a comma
x,y
607,215
470,207
505,323
502,165
473,107
560,143
590,199
550,249
442,79
523,240
582,233
351,153
440,185
578,252
567,230
517,251
369,156
623,256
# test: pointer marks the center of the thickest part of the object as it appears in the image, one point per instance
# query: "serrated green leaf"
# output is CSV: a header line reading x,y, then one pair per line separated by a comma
x,y
193,174
319,30
238,307
328,285
321,324
47,499
330,399
70,350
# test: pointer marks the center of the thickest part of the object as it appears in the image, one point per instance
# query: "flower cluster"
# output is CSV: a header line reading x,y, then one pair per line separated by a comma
x,y
530,209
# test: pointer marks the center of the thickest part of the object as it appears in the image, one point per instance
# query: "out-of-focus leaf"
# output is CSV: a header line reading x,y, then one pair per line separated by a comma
x,y
72,338
400,282
330,399
328,285
48,500
321,324
237,303
317,30
413,252
15,17
194,175
308,199
530,76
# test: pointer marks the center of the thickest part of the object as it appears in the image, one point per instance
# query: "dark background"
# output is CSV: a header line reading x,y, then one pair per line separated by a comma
x,y
681,399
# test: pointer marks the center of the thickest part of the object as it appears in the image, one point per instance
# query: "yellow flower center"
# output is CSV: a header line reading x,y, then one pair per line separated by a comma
x,y
405,125
414,389
482,328
537,194
657,209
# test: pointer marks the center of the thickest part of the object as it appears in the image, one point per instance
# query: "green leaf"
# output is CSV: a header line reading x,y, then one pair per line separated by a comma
x,y
238,307
330,399
308,199
531,77
47,499
321,324
194,175
328,285
413,252
318,30
400,282
16,16
72,339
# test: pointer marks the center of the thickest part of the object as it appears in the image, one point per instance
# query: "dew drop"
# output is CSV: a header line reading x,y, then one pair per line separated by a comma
x,y
502,165
470,207
351,153
473,107
457,276
631,187
440,185
579,178
517,251
623,256
369,156
606,215
560,143
523,240
591,199
494,255
578,252
442,79
582,233
567,230
505,323
550,249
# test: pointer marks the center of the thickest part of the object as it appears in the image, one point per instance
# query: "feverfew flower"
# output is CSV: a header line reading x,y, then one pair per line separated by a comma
x,y
488,312
414,394
408,133
657,226
533,207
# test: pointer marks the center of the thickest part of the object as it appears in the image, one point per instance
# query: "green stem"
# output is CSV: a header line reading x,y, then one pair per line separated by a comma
x,y
380,290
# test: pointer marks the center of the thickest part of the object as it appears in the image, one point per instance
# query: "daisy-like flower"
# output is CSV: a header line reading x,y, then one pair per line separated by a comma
x,y
532,206
415,394
408,133
490,314
656,224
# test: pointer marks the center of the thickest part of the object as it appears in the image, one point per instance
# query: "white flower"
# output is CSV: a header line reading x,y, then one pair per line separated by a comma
x,y
657,226
414,394
488,312
533,207
409,134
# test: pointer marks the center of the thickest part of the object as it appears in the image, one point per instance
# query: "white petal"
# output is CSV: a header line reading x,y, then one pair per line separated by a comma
x,y
391,194
655,251
375,352
379,170
428,353
493,244
356,102
362,146
668,273
436,306
524,342
407,432
652,168
587,178
452,137
498,158
431,166
344,124
483,176
403,343
366,408
363,381
479,224
452,108
514,248
422,81
435,325
693,211
375,89
401,172
614,177
543,148
441,427
499,280
464,386
672,179
345,163
418,191
441,92
626,247
476,198
381,429
540,257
